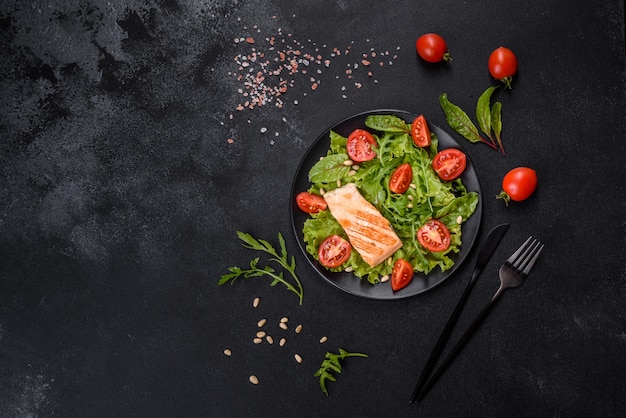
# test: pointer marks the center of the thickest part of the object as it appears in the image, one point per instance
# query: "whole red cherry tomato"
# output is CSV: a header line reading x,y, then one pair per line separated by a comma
x,y
401,178
518,184
432,48
503,65
401,275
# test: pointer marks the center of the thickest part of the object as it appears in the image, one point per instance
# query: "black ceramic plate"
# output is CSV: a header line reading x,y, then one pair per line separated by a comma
x,y
347,281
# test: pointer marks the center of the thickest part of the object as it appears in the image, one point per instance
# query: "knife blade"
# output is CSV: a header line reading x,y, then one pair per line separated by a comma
x,y
489,246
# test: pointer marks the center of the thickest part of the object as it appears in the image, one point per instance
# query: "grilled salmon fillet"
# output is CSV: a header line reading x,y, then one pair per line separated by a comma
x,y
369,232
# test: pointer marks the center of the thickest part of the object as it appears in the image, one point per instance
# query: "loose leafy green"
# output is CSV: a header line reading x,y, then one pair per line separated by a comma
x,y
496,123
282,259
488,117
332,364
483,112
429,197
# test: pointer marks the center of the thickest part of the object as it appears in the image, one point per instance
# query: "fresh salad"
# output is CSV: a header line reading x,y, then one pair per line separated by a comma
x,y
398,168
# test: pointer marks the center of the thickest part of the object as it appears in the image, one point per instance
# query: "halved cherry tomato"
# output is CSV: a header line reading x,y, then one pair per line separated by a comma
x,y
420,132
434,236
310,203
401,275
401,178
431,47
449,163
518,184
360,144
334,251
503,65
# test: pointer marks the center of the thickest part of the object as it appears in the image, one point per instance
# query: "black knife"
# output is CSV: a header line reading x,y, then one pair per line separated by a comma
x,y
487,249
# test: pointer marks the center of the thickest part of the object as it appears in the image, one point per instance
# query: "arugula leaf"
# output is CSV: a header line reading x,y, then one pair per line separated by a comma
x,y
281,258
332,364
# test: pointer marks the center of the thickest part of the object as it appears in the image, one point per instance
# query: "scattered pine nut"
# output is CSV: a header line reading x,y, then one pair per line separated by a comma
x,y
348,162
284,319
413,186
298,329
298,358
253,379
261,322
257,340
282,342
323,339
261,334
459,219
283,325
356,167
384,278
256,302
269,339
228,352
351,173
349,269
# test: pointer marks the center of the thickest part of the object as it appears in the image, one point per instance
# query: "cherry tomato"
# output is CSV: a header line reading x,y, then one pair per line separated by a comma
x,y
334,251
503,65
518,184
434,236
401,178
310,203
360,144
432,48
449,163
420,132
401,275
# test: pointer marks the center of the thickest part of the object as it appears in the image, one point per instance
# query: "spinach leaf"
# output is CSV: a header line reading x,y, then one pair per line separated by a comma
x,y
329,169
496,122
386,123
483,111
458,120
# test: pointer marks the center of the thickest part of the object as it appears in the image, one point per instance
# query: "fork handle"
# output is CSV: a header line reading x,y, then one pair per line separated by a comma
x,y
445,363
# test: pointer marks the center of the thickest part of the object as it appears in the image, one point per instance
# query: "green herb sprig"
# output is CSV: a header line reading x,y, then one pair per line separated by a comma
x,y
332,364
282,259
489,119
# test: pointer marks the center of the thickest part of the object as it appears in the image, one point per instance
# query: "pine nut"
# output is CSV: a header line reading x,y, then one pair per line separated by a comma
x,y
298,358
269,339
349,269
261,322
459,219
348,162
410,197
323,339
351,173
257,341
299,329
356,167
322,191
253,379
413,186
338,183
284,319
384,278
282,342
256,302
261,334
228,352
283,325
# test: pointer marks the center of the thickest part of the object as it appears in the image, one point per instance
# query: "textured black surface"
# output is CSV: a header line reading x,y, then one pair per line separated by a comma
x,y
121,194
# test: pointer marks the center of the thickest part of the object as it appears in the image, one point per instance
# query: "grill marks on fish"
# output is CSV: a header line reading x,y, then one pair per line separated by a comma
x,y
369,232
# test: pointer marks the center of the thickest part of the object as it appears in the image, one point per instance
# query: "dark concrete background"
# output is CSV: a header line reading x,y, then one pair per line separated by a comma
x,y
121,194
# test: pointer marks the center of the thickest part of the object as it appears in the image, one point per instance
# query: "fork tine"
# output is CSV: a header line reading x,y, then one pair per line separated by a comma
x,y
533,258
514,257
